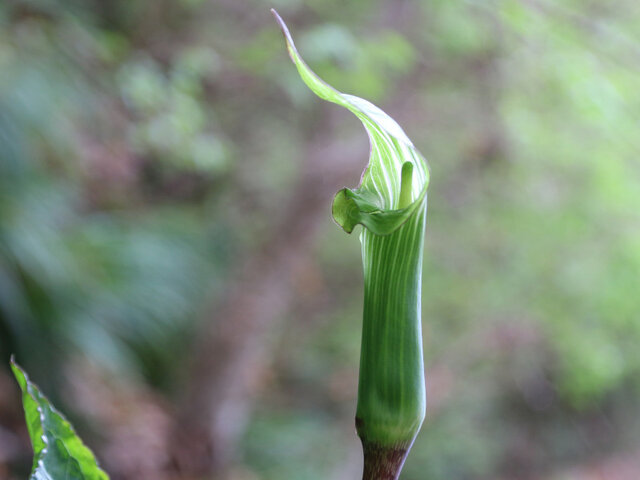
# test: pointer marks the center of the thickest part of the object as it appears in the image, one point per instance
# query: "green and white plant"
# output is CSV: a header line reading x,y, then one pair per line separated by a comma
x,y
390,203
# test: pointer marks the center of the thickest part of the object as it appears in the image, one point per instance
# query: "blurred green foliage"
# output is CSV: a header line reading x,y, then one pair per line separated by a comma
x,y
144,145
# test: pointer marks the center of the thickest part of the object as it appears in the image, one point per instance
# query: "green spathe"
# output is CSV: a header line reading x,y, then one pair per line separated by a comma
x,y
390,203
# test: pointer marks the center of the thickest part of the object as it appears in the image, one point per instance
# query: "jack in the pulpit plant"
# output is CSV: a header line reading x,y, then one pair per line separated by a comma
x,y
391,204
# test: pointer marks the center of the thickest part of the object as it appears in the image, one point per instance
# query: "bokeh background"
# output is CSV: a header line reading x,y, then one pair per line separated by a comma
x,y
171,277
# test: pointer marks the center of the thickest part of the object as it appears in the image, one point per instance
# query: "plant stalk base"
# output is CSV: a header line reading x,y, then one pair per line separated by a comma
x,y
383,462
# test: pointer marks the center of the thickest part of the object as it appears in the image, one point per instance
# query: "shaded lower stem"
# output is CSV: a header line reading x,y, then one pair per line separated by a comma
x,y
383,462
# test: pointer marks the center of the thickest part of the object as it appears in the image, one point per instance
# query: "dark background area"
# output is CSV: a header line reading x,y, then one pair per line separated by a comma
x,y
171,277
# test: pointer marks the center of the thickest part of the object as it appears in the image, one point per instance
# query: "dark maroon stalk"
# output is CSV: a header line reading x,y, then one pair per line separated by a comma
x,y
382,462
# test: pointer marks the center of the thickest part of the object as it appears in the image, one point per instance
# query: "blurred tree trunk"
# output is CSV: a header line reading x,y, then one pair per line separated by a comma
x,y
233,351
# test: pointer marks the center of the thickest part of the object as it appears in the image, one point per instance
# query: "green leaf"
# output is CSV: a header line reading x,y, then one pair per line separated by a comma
x,y
59,454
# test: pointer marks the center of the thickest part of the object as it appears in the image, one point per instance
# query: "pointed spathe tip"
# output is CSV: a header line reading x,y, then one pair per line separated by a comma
x,y
278,18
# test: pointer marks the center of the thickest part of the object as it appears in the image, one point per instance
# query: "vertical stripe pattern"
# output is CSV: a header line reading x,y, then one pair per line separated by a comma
x,y
391,391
